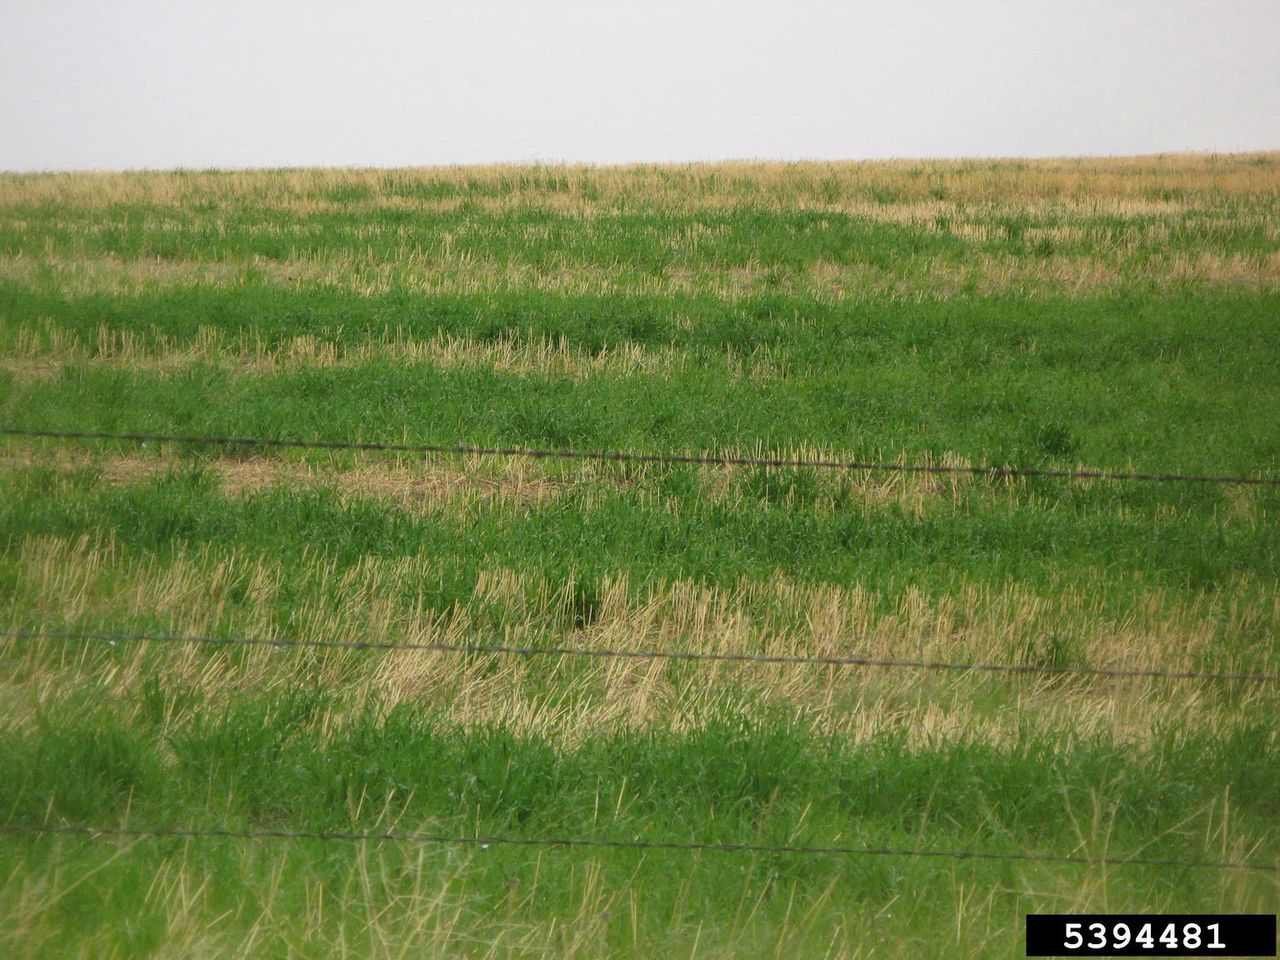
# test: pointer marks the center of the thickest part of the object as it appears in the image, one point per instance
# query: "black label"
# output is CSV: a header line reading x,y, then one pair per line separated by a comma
x,y
1151,935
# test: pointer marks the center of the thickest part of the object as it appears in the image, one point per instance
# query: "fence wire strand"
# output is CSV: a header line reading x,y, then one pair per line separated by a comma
x,y
602,843
622,456
622,654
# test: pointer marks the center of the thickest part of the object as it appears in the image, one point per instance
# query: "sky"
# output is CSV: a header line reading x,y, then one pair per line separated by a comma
x,y
269,83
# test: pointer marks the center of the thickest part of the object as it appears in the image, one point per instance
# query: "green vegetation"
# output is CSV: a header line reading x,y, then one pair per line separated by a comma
x,y
1114,314
267,762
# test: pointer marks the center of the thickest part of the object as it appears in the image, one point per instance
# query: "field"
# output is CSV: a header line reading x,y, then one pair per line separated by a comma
x,y
1118,314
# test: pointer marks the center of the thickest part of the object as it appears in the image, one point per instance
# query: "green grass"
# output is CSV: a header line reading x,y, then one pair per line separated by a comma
x,y
301,762
664,527
1108,381
1111,314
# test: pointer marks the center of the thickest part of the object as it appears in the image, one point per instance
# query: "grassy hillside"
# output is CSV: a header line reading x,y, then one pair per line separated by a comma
x,y
1120,314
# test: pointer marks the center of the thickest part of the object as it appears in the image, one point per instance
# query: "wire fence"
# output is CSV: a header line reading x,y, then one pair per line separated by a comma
x,y
1123,673
602,843
621,456
483,842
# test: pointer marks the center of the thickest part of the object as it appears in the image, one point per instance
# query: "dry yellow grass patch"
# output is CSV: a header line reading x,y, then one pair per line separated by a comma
x,y
110,274
908,278
415,482
1213,269
1160,179
86,582
42,350
430,485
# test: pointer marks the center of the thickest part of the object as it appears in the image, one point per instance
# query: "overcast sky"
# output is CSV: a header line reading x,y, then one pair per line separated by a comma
x,y
322,82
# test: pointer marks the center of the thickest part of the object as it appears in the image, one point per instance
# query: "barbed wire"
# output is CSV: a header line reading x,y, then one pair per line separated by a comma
x,y
601,843
621,456
622,654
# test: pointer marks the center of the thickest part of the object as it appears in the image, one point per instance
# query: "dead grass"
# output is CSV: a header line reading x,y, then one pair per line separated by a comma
x,y
908,278
86,582
1117,209
458,482
41,350
1143,182
431,485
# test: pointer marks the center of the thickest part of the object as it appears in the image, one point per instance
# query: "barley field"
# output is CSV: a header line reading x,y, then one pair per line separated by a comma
x,y
1119,314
